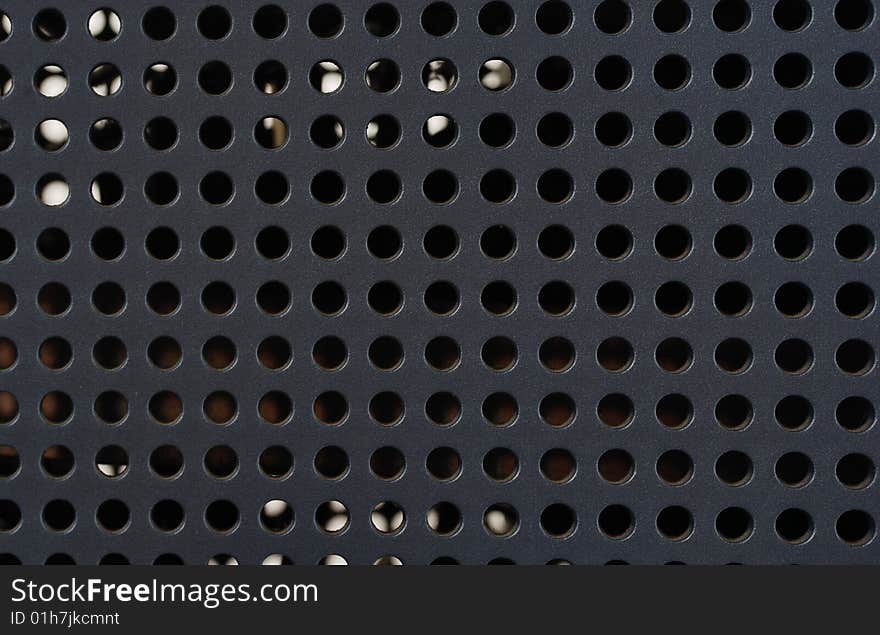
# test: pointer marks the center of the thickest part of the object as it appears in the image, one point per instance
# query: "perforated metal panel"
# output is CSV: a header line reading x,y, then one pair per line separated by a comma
x,y
516,282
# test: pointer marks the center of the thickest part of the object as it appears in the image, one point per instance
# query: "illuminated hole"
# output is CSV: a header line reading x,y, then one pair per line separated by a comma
x,y
327,131
51,135
383,131
107,189
439,76
444,518
105,80
53,190
501,520
382,75
440,131
276,516
496,75
388,517
161,78
332,517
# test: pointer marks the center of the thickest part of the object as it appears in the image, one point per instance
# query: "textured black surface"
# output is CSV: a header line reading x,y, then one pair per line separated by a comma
x,y
586,160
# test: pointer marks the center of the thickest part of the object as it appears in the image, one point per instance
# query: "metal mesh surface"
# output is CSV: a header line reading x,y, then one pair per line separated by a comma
x,y
517,282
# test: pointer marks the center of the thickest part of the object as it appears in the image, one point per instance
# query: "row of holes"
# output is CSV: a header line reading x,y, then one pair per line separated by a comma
x,y
614,73
442,242
559,410
558,520
498,130
794,185
617,466
496,18
557,298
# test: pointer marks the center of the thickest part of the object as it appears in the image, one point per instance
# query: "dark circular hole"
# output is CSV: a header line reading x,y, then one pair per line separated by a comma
x,y
496,18
613,72
855,300
327,187
612,16
58,515
673,242
792,15
559,465
57,461
497,130
166,461
855,127
270,21
439,19
326,21
441,242
443,463
500,409
734,468
732,71
793,242
672,16
855,357
383,75
794,412
672,72
385,298
793,128
855,414
855,527
217,243
674,411
855,470
616,522
675,467
159,23
855,185
854,70
794,356
793,71
794,469
331,462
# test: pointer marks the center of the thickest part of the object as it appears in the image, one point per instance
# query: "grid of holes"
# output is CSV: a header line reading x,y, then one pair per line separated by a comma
x,y
854,243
